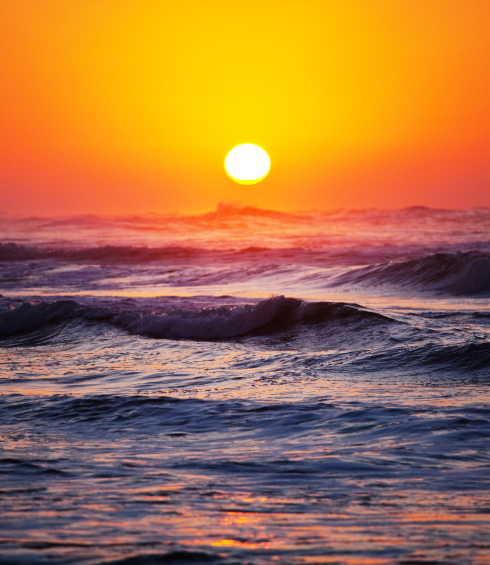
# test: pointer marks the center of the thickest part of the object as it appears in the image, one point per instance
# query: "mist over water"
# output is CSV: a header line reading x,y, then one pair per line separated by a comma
x,y
246,386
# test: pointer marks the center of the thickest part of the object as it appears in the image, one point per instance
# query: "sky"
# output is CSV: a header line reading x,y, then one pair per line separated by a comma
x,y
130,106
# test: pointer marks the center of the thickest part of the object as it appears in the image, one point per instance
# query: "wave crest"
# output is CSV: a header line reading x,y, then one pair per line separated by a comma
x,y
458,273
224,322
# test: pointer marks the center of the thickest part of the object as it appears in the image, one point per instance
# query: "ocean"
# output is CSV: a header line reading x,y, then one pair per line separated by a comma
x,y
246,387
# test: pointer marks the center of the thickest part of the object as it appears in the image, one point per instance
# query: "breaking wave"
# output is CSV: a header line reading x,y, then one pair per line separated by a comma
x,y
459,273
223,322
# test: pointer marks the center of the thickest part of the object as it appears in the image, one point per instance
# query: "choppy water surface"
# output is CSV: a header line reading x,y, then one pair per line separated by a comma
x,y
246,387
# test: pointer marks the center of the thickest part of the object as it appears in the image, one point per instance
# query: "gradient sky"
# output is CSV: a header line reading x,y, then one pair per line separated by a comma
x,y
128,106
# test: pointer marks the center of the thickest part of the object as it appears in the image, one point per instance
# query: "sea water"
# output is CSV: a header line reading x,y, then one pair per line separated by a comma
x,y
246,386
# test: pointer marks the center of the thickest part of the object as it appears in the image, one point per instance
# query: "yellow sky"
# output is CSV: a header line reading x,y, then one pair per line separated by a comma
x,y
131,105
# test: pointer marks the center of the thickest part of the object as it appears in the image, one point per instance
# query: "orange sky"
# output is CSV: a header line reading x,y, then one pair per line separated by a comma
x,y
121,106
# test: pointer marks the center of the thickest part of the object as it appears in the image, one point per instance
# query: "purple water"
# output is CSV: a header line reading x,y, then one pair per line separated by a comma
x,y
246,386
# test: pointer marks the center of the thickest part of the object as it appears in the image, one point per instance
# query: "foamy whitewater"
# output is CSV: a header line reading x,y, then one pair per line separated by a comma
x,y
246,387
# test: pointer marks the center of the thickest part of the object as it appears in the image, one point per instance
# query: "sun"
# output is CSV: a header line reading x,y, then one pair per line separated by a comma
x,y
247,164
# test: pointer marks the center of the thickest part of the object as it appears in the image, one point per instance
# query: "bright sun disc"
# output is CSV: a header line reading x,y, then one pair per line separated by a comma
x,y
247,163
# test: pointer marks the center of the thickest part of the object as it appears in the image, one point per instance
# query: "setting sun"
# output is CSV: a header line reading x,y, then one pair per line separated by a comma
x,y
247,164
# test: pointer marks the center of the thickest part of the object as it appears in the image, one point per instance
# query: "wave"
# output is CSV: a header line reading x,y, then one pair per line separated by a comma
x,y
179,417
457,358
105,253
129,254
230,210
222,322
458,273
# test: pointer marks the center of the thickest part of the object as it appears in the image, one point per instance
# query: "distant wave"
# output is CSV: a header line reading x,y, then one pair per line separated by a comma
x,y
105,253
128,254
459,273
224,322
227,210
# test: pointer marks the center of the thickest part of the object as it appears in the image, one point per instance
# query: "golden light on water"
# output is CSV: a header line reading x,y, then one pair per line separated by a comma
x,y
247,164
